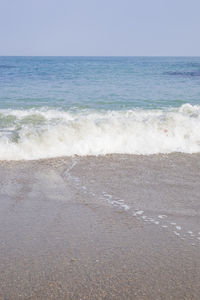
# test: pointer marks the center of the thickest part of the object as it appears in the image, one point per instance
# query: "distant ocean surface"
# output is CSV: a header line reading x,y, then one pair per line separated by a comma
x,y
62,106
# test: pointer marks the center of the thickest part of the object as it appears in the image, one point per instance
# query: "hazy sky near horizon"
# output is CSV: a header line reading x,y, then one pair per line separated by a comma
x,y
100,27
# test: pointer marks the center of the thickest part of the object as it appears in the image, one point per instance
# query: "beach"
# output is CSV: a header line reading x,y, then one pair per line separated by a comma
x,y
99,178
100,227
99,150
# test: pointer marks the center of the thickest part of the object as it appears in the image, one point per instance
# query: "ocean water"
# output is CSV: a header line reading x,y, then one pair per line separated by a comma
x,y
62,106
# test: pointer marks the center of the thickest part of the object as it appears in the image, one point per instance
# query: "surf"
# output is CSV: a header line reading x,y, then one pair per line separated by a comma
x,y
45,133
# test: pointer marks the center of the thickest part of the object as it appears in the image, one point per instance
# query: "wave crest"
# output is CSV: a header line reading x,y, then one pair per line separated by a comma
x,y
34,134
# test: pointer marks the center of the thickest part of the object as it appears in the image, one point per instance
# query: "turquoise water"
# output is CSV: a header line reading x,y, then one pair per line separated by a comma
x,y
62,106
99,82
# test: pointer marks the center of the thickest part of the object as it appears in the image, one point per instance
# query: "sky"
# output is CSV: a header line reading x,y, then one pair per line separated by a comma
x,y
100,27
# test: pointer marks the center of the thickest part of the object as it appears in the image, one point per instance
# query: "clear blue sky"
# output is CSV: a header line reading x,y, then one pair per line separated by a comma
x,y
100,27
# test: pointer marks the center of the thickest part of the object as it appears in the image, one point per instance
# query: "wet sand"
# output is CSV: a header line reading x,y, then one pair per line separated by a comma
x,y
113,227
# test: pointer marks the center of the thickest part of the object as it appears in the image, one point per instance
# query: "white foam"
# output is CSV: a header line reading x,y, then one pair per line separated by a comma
x,y
125,207
176,233
178,227
139,212
151,220
51,133
162,216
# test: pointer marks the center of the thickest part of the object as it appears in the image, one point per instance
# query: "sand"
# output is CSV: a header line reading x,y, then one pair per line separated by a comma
x,y
113,227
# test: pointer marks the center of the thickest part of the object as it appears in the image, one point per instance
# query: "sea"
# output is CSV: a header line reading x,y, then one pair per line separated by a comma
x,y
66,106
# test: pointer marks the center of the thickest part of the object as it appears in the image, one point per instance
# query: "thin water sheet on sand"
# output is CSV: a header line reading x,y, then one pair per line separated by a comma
x,y
111,227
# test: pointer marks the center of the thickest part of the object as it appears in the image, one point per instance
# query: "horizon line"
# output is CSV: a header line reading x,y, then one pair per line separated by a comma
x,y
99,55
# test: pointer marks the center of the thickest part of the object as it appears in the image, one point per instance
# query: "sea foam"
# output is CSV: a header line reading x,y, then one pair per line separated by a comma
x,y
44,133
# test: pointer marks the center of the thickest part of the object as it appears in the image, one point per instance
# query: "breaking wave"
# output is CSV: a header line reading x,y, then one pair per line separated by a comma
x,y
44,133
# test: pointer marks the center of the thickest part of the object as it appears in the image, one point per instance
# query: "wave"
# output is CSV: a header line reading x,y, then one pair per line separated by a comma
x,y
44,133
184,73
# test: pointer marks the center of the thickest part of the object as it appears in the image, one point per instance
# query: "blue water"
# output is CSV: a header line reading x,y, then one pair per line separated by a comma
x,y
108,83
62,106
